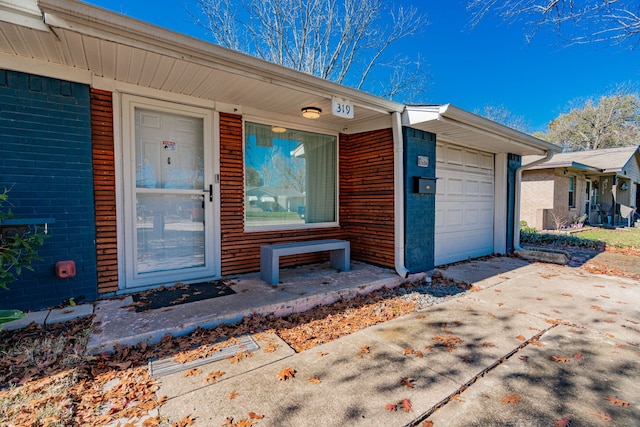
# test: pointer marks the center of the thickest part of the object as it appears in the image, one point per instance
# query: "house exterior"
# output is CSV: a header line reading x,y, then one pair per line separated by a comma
x,y
600,186
166,159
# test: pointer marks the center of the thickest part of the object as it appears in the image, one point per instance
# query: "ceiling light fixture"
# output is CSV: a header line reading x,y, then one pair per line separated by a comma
x,y
311,112
278,129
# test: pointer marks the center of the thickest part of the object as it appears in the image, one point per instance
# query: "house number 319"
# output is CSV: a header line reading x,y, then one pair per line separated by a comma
x,y
342,108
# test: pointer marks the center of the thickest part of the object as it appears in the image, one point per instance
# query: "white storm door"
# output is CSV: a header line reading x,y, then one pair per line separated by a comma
x,y
169,193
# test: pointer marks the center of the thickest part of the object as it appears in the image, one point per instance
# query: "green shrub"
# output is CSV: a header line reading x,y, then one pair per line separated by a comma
x,y
19,250
536,238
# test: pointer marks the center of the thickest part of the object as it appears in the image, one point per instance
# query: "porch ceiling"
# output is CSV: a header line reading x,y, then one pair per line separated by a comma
x,y
454,125
113,47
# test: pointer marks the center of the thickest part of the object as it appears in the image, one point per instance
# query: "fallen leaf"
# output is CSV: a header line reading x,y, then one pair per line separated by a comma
x,y
488,344
214,376
578,356
237,358
491,314
233,394
391,407
255,416
314,380
448,341
511,399
286,373
418,353
618,402
407,382
151,422
245,422
406,405
321,353
524,358
407,351
192,372
427,423
564,422
521,338
359,356
602,415
567,294
186,421
561,359
475,288
365,349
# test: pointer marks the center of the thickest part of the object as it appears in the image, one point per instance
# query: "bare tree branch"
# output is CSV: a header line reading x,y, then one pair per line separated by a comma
x,y
339,40
612,21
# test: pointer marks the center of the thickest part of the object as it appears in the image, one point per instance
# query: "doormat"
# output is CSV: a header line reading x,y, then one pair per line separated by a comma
x,y
179,294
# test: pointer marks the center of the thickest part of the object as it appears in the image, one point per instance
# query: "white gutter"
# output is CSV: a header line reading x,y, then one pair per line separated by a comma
x,y
398,193
516,211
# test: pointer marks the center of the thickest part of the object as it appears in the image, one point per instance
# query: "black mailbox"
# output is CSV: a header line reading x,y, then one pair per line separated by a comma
x,y
422,185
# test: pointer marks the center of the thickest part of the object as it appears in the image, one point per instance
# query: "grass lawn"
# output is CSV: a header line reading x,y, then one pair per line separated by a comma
x,y
621,237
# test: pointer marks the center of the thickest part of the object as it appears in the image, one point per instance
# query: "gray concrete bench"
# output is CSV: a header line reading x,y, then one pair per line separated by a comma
x,y
339,256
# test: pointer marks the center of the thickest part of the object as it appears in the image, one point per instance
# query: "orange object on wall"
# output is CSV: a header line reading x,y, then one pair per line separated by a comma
x,y
65,269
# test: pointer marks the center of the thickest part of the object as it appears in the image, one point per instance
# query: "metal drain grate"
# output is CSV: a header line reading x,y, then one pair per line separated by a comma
x,y
162,367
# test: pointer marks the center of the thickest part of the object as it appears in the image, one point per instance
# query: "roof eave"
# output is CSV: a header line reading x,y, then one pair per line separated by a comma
x,y
415,115
82,17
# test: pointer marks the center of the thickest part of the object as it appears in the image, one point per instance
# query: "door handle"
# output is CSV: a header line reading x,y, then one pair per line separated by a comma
x,y
211,192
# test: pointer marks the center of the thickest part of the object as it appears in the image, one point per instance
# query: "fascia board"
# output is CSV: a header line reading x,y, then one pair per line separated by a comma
x,y
454,113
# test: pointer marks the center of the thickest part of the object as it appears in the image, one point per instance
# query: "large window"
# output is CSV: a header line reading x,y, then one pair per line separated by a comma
x,y
572,191
290,177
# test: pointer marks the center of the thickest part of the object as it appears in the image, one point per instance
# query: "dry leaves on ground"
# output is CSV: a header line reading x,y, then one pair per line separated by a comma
x,y
50,370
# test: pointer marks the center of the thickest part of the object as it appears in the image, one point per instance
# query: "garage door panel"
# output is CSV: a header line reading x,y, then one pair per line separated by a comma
x,y
464,204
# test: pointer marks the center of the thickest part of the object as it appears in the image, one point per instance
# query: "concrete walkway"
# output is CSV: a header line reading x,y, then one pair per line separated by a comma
x,y
117,322
532,345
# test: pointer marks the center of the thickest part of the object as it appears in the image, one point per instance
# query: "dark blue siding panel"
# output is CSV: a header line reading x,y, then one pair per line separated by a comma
x,y
419,209
46,162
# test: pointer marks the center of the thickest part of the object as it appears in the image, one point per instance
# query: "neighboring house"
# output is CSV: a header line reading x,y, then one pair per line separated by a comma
x,y
146,147
600,186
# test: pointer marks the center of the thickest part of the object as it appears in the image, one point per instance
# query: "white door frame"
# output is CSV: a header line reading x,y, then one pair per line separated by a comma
x,y
126,196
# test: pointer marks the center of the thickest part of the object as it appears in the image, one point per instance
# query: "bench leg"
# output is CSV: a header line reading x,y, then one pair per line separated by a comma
x,y
269,266
340,259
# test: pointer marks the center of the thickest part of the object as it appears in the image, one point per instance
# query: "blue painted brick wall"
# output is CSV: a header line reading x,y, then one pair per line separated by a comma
x,y
46,162
420,209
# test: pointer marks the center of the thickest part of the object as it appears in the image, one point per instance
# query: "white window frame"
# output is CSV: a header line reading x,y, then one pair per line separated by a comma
x,y
573,179
287,227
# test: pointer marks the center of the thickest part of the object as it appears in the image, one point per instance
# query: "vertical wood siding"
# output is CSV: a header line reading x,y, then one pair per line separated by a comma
x,y
366,195
241,250
104,182
366,203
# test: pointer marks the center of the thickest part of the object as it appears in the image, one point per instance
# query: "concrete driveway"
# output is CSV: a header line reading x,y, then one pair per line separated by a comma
x,y
529,345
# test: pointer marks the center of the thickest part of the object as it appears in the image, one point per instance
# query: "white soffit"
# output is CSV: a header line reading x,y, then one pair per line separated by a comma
x,y
455,125
113,47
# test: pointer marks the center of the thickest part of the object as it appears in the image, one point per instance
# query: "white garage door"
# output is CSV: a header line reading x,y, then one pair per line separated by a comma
x,y
464,204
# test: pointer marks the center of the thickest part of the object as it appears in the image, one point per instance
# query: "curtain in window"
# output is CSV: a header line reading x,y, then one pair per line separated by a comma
x,y
320,152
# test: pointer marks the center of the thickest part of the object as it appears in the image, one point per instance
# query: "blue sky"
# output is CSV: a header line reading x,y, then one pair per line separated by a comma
x,y
491,64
